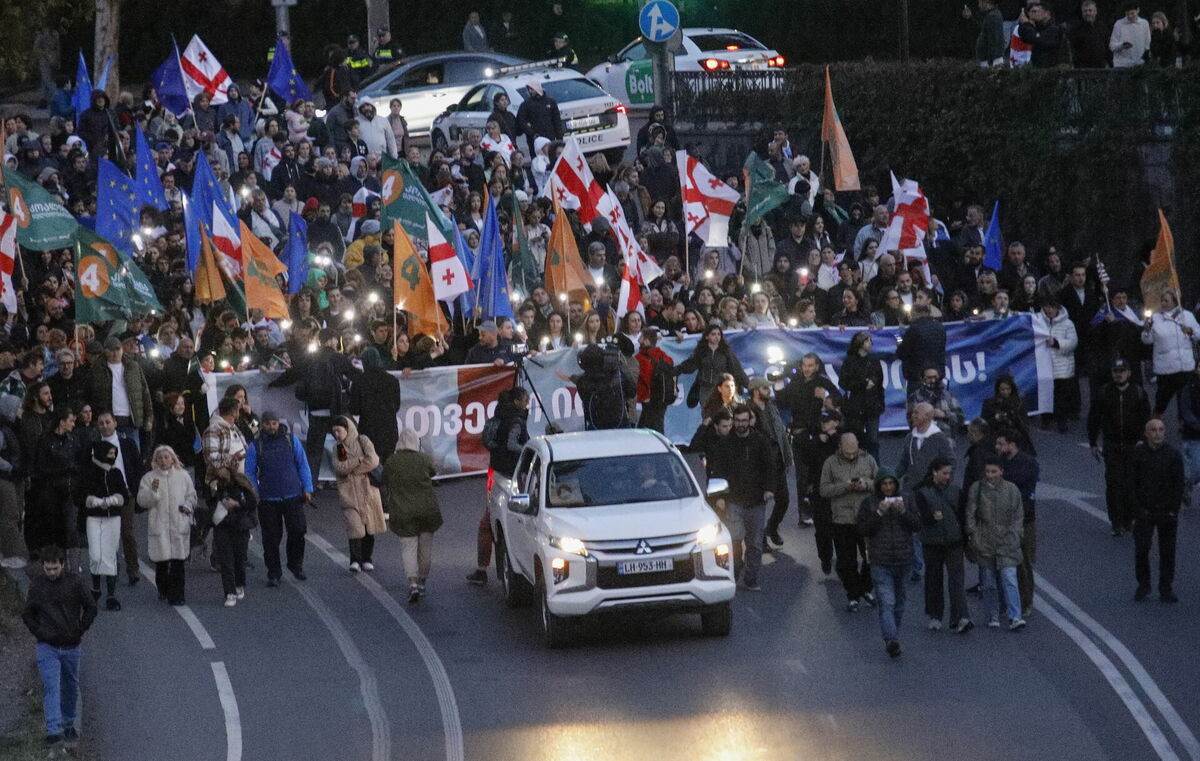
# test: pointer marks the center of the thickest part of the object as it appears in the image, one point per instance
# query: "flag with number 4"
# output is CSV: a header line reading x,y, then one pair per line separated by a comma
x,y
100,292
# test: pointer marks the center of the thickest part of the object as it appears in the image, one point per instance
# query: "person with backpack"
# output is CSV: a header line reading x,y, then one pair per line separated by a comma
x,y
656,389
321,385
278,467
603,386
504,436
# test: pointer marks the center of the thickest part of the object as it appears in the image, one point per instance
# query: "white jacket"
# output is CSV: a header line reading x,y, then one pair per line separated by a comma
x,y
378,135
1137,35
1173,351
168,531
1063,356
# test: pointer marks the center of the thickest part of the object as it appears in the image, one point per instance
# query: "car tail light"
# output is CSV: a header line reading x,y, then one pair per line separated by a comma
x,y
620,109
732,48
776,61
712,64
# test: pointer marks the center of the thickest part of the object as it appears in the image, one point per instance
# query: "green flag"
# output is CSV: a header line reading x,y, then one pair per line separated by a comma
x,y
42,223
522,269
764,192
404,198
142,299
101,292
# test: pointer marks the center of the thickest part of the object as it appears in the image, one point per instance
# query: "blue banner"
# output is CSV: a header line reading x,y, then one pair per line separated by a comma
x,y
977,352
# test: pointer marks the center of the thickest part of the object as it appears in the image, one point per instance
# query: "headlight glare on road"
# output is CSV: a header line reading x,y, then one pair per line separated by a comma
x,y
708,534
569,544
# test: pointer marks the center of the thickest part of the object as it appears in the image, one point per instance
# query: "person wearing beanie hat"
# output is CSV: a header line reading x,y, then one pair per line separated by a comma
x,y
889,521
368,236
1117,414
277,466
101,497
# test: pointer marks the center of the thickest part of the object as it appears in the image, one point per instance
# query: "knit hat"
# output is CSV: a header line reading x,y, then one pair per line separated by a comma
x,y
112,343
312,204
268,416
370,227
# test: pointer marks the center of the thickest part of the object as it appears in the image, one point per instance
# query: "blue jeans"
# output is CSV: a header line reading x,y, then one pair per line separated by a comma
x,y
891,582
59,667
1191,460
992,580
918,565
747,523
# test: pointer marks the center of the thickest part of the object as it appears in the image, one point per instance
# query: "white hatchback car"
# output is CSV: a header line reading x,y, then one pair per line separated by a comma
x,y
592,116
629,74
610,521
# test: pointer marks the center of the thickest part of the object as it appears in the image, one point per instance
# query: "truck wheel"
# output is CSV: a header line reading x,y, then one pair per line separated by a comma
x,y
516,589
717,621
555,629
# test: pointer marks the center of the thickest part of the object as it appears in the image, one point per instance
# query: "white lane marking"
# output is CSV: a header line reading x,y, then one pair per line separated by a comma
x,y
1113,675
187,614
368,686
1072,497
1139,673
233,720
796,667
447,704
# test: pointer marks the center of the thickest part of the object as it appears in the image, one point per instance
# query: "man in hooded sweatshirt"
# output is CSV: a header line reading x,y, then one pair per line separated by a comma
x,y
925,442
889,521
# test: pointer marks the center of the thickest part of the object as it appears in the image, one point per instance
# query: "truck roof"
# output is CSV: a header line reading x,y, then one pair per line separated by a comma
x,y
590,445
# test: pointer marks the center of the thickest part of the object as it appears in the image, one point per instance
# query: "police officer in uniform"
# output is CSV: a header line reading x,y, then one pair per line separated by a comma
x,y
357,60
562,50
386,52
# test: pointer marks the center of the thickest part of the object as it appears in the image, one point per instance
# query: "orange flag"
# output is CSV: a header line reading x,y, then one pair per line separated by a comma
x,y
209,286
412,287
564,267
262,289
1160,273
845,171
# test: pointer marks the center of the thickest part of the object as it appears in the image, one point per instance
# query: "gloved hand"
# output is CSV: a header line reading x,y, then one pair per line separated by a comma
x,y
94,502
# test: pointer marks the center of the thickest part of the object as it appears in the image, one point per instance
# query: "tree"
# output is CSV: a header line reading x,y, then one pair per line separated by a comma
x,y
108,33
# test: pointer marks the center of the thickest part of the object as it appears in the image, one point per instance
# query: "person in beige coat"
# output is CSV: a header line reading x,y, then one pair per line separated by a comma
x,y
167,492
362,508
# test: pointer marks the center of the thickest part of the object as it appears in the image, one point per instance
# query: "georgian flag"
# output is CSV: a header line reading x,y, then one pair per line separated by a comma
x,y
708,202
228,242
504,146
909,225
645,268
8,259
630,299
358,207
270,160
1020,52
202,72
450,278
573,186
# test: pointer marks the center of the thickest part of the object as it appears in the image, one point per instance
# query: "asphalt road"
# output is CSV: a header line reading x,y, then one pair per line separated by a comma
x,y
340,667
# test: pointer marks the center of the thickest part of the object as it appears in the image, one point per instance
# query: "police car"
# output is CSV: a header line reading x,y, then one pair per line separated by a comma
x,y
629,74
589,114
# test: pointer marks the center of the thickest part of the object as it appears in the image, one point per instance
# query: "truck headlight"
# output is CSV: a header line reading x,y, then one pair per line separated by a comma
x,y
708,534
569,544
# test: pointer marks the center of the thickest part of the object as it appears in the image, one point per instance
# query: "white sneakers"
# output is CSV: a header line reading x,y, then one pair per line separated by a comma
x,y
355,567
368,566
935,625
230,600
241,593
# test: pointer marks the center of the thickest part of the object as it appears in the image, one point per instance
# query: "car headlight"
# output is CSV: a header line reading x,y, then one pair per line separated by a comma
x,y
708,534
569,544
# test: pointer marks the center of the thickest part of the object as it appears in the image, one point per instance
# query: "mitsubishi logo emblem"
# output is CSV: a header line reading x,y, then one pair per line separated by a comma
x,y
643,548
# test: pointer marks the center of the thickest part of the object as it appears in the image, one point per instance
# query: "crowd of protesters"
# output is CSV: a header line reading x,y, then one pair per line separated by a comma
x,y
102,421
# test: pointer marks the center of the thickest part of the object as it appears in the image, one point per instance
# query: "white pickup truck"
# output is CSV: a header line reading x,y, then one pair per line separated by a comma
x,y
610,521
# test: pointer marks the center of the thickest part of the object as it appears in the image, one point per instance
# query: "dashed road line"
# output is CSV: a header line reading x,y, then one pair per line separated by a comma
x,y
229,706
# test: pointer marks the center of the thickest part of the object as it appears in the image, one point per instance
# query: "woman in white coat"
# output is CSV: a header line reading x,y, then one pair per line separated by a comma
x,y
1173,332
168,493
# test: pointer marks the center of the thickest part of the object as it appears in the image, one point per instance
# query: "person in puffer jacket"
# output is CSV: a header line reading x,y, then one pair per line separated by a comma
x,y
1062,339
889,520
939,504
102,495
1173,332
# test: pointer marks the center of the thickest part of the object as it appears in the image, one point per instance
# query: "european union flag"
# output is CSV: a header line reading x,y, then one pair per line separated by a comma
x,y
993,244
102,81
199,208
82,97
489,276
296,255
149,186
168,84
282,77
117,210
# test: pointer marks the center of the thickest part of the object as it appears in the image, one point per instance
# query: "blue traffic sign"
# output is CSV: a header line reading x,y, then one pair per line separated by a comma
x,y
658,20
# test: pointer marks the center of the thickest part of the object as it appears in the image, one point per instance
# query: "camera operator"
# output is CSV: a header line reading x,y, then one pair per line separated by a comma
x,y
491,349
608,384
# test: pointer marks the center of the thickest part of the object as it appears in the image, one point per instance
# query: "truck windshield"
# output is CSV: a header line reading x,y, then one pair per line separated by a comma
x,y
618,481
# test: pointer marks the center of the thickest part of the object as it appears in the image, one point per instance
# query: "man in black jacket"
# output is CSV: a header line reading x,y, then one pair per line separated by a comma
x,y
1089,40
923,345
1047,38
745,460
538,116
58,611
889,521
1118,413
1158,480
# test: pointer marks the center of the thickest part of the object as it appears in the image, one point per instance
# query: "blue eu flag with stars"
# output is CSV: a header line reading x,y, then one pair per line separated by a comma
x,y
149,186
117,210
283,79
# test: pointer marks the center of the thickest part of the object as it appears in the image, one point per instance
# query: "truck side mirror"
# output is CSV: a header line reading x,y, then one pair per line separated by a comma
x,y
716,486
519,503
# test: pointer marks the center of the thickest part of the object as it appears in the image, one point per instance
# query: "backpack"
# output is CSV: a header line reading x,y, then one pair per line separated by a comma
x,y
491,434
663,391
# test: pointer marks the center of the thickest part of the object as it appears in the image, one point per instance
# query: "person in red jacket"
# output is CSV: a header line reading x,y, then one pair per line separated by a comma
x,y
655,391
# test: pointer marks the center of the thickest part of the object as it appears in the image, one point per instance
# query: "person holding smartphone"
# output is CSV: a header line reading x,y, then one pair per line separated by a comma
x,y
888,520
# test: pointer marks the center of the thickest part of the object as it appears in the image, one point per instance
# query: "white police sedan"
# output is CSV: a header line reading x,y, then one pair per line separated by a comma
x,y
629,74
